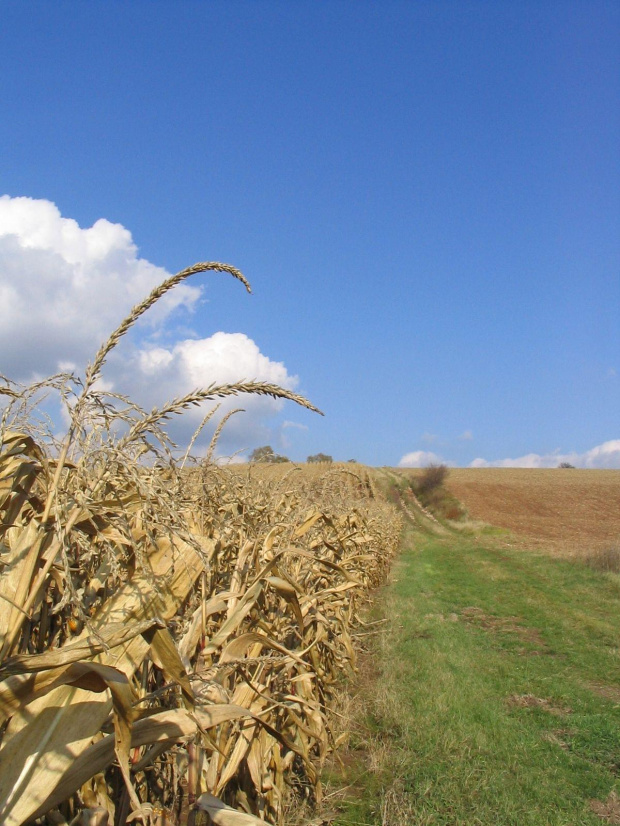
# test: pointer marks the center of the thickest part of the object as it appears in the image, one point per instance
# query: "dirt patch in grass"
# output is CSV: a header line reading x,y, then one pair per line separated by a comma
x,y
531,701
442,617
608,810
610,692
563,511
511,625
557,738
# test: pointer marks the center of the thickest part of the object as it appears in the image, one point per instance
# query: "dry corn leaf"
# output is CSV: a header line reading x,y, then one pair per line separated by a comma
x,y
223,815
108,638
166,656
166,726
17,692
49,734
309,522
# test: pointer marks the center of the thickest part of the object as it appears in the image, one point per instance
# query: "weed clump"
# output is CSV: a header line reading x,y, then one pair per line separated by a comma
x,y
605,559
432,478
429,488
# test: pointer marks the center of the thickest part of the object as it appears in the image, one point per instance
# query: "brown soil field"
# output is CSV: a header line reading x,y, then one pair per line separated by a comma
x,y
564,511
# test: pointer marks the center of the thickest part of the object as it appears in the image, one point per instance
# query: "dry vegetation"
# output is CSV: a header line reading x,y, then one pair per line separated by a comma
x,y
568,512
170,636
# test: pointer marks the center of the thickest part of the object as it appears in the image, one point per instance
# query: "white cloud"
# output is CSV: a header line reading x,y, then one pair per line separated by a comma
x,y
606,455
420,458
295,425
64,289
223,358
466,436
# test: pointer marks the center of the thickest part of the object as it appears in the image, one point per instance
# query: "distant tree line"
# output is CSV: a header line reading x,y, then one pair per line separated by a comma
x,y
267,455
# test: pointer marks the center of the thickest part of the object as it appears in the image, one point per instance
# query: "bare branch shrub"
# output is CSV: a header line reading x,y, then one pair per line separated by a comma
x,y
432,478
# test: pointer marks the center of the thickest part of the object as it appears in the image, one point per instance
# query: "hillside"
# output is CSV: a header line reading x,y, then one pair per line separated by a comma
x,y
564,511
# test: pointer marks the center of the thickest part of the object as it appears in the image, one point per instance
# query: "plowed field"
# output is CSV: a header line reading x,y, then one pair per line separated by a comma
x,y
564,511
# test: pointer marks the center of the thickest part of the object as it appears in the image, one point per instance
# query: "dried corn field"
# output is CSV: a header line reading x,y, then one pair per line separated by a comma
x,y
173,633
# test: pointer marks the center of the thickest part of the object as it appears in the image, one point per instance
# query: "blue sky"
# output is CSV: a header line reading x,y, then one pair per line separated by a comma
x,y
425,197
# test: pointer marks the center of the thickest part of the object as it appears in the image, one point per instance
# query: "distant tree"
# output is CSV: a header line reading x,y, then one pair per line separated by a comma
x,y
266,454
319,457
262,454
566,465
352,461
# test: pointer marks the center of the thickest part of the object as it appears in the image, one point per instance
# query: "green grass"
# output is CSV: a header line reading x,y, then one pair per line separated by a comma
x,y
470,626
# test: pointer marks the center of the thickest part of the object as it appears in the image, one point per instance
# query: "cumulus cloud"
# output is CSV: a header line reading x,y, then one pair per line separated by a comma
x,y
223,358
420,458
606,455
285,439
466,436
64,288
295,425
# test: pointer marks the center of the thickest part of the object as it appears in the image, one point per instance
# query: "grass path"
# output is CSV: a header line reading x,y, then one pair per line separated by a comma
x,y
495,692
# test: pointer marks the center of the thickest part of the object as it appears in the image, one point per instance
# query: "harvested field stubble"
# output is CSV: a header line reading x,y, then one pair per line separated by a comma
x,y
565,511
169,634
